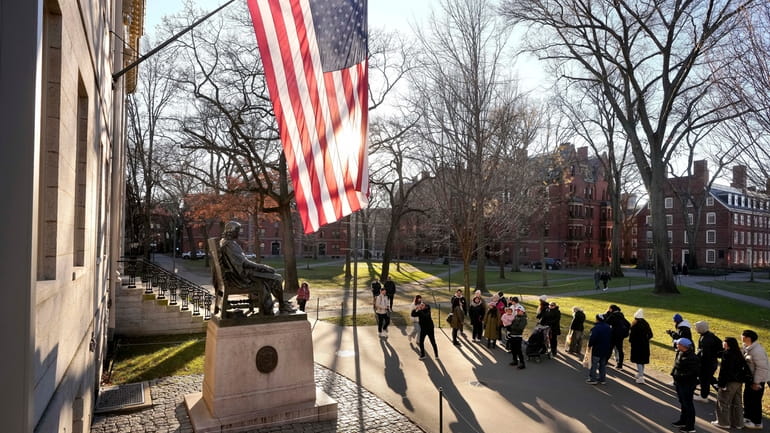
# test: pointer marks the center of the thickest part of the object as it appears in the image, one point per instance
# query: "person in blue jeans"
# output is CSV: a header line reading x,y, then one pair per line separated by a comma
x,y
600,345
685,374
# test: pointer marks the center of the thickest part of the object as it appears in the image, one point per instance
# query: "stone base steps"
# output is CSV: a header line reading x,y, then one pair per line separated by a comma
x,y
140,314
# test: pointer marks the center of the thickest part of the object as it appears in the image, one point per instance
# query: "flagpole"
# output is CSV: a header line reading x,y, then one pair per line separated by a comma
x,y
152,52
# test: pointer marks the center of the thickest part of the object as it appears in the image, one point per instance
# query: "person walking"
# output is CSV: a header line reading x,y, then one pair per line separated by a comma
x,y
729,403
605,277
382,310
303,294
476,311
390,290
620,329
551,317
685,374
575,336
516,335
597,279
415,319
639,337
756,357
376,286
600,347
459,310
709,349
423,315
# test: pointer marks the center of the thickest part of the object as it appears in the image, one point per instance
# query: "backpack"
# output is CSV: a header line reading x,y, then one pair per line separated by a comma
x,y
625,328
744,373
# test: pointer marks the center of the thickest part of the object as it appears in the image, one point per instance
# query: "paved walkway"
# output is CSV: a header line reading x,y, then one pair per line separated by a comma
x,y
382,378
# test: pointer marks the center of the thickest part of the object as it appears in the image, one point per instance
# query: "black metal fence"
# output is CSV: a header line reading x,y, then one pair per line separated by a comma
x,y
167,285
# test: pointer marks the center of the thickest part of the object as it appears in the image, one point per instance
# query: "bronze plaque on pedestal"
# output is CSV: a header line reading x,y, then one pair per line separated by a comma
x,y
267,359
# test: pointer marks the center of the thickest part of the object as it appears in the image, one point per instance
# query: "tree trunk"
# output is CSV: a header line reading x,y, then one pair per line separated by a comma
x,y
616,271
664,278
481,257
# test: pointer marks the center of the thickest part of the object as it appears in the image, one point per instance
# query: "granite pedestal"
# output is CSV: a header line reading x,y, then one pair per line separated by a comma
x,y
258,372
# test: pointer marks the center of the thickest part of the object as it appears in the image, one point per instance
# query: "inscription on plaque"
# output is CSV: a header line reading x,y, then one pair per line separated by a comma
x,y
267,359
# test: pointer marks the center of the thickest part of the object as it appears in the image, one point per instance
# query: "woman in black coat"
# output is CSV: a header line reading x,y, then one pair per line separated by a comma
x,y
729,398
639,336
576,331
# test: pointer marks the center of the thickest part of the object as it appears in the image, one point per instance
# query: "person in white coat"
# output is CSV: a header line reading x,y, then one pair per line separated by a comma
x,y
756,357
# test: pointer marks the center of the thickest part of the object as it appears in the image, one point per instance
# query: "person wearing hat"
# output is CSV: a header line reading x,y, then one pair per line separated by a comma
x,y
685,374
709,348
600,347
505,321
639,337
516,335
459,310
756,357
682,329
492,324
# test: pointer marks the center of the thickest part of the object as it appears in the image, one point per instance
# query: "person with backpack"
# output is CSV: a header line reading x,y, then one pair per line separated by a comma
x,y
620,330
709,348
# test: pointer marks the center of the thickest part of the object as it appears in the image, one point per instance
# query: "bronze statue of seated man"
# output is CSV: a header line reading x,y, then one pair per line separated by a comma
x,y
244,273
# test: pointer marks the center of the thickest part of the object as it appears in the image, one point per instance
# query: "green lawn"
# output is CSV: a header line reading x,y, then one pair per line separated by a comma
x,y
760,290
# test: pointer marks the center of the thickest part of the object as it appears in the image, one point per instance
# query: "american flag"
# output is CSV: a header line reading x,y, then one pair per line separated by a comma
x,y
315,57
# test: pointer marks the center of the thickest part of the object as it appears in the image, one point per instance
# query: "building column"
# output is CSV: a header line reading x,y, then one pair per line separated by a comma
x,y
20,40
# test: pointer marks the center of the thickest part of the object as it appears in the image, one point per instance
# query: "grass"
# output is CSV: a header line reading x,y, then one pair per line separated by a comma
x,y
760,290
144,358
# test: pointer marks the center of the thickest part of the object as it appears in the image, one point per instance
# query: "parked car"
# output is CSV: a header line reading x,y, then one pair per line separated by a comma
x,y
187,255
251,256
200,254
550,263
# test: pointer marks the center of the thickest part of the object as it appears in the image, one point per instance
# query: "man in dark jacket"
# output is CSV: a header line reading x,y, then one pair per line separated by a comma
x,y
600,345
422,312
376,286
516,334
709,349
620,328
685,374
390,290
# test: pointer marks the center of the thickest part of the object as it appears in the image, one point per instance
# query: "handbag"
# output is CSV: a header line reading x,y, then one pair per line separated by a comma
x,y
587,358
449,318
568,341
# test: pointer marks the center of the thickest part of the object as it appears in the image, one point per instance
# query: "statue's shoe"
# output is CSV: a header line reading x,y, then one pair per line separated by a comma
x,y
286,308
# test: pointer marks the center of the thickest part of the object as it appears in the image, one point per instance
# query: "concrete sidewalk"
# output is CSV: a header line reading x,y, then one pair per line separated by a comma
x,y
484,394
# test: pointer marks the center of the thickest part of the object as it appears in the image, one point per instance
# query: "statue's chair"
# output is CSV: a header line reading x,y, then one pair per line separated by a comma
x,y
226,283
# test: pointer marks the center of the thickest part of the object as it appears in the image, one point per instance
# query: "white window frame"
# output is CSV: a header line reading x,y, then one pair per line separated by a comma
x,y
668,203
711,256
711,236
684,238
670,235
711,218
690,219
709,201
669,220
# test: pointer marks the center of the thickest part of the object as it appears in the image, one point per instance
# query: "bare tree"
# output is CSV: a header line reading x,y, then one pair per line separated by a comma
x,y
147,134
652,62
461,88
592,119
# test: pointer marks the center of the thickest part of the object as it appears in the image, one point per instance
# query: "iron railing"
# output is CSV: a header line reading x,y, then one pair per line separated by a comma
x,y
177,290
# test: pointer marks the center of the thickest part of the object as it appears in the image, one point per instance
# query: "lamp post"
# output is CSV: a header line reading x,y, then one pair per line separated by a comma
x,y
173,248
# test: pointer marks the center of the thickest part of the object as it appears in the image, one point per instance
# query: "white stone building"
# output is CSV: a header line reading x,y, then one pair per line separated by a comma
x,y
62,129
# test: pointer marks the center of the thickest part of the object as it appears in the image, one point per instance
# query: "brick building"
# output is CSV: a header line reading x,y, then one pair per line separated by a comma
x,y
727,227
577,227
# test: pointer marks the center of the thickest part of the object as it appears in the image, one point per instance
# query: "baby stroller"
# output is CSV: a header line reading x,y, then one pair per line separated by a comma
x,y
539,344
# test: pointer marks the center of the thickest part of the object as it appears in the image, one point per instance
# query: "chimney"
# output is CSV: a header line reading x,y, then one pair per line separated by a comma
x,y
739,177
583,153
702,171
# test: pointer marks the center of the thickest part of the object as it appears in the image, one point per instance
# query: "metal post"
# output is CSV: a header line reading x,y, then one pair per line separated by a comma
x,y
440,410
355,265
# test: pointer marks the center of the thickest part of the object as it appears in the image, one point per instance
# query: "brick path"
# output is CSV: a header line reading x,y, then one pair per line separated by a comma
x,y
358,410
